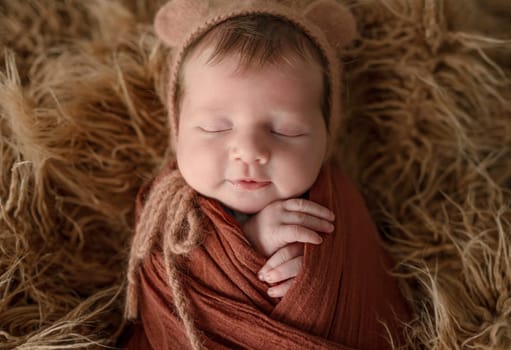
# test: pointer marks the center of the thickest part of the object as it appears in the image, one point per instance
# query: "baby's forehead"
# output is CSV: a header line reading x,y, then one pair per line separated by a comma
x,y
289,86
265,93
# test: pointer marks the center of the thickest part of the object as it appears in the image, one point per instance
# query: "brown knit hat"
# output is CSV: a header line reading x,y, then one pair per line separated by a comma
x,y
329,25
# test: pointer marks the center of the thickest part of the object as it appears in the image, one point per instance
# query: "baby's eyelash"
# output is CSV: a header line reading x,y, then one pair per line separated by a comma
x,y
287,134
213,130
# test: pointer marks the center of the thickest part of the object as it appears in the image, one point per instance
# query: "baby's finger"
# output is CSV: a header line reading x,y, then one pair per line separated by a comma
x,y
282,255
309,207
295,233
285,271
281,289
311,222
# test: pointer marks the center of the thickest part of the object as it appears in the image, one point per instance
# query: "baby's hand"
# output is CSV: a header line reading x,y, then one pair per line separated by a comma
x,y
284,265
280,230
288,221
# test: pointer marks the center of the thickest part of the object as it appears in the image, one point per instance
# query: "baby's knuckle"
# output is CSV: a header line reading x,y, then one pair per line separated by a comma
x,y
280,205
300,218
285,254
301,203
296,231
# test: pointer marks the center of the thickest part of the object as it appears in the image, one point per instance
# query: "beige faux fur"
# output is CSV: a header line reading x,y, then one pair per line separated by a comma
x,y
82,123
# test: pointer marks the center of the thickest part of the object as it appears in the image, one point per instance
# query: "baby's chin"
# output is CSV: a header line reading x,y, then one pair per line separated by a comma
x,y
253,205
247,208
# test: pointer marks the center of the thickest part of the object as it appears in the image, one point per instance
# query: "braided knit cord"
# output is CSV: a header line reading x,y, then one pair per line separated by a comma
x,y
171,214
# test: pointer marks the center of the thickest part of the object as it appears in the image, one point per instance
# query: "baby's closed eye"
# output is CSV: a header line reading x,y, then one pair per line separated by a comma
x,y
214,129
289,132
214,125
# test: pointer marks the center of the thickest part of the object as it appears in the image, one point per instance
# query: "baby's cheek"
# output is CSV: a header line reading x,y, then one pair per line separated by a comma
x,y
198,162
301,171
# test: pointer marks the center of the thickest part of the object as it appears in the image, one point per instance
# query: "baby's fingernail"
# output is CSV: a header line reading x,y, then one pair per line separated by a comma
x,y
331,228
260,275
332,216
272,292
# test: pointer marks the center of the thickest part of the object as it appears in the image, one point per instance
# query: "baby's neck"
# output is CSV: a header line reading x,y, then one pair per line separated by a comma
x,y
240,217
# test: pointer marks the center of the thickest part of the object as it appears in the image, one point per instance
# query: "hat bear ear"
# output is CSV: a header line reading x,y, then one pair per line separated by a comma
x,y
177,18
336,21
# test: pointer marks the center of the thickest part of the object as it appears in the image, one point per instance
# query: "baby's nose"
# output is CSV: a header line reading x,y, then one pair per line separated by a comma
x,y
250,149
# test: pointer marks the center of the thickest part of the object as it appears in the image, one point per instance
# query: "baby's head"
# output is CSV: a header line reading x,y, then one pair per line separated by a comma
x,y
252,106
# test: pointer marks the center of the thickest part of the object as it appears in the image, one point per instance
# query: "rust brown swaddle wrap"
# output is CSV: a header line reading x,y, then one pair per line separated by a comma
x,y
341,299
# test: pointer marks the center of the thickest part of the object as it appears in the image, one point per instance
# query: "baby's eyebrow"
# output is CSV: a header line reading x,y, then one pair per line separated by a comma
x,y
214,110
297,117
205,108
206,118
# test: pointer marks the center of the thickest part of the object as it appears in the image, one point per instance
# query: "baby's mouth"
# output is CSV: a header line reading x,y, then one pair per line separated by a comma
x,y
248,184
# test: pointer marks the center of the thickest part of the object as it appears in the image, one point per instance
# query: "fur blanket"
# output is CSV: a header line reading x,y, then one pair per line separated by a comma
x,y
427,136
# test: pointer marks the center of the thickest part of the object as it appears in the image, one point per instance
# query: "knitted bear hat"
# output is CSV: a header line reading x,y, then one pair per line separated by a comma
x,y
329,25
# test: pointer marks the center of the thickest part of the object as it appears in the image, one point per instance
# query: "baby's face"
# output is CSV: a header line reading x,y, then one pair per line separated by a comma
x,y
252,137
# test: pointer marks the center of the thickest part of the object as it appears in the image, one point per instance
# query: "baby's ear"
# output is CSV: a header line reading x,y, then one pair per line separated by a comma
x,y
177,17
335,20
